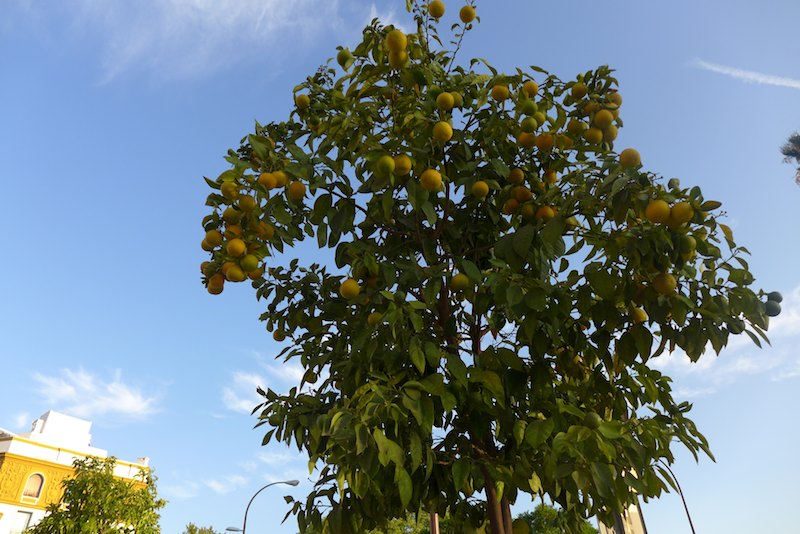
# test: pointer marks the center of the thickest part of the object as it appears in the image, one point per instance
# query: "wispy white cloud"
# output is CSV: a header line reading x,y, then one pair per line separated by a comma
x,y
22,420
748,75
741,357
240,395
187,490
386,17
226,484
189,38
84,394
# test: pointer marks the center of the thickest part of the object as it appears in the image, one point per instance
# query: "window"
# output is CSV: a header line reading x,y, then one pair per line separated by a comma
x,y
21,522
33,488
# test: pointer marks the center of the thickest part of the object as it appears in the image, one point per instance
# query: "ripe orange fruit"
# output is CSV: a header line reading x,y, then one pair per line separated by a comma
x,y
480,189
249,263
593,136
384,166
545,213
302,101
630,158
232,215
603,119
657,211
431,180
516,176
436,9
500,92
399,59
215,284
236,247
527,211
445,101
442,131
578,91
214,238
610,133
682,212
664,283
550,176
268,180
458,100
205,245
467,14
255,274
280,178
229,190
396,41
544,142
233,230
349,289
265,230
510,207
530,87
235,274
459,282
296,190
616,98
402,165
526,140
638,315
278,335
247,203
522,194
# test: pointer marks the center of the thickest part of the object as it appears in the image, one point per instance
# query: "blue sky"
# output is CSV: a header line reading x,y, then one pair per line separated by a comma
x,y
111,113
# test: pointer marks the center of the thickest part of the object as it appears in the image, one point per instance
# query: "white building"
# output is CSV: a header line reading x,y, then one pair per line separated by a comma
x,y
33,464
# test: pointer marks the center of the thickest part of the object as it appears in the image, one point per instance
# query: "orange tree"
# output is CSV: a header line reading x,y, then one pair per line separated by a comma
x,y
502,279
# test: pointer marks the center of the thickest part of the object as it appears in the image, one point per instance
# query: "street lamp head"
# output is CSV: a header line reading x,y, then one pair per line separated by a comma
x,y
293,482
233,529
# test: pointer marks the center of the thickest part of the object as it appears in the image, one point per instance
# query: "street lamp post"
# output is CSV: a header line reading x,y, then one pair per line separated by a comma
x,y
243,530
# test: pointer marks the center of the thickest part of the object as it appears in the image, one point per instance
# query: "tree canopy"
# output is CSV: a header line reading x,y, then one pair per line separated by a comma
x,y
501,278
191,528
545,519
791,151
97,502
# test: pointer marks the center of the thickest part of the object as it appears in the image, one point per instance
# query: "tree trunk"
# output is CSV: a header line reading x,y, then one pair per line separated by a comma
x,y
507,521
493,505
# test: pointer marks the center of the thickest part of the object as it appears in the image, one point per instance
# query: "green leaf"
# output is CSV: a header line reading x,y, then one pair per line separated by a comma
x,y
523,238
610,429
461,469
471,270
416,354
404,486
538,431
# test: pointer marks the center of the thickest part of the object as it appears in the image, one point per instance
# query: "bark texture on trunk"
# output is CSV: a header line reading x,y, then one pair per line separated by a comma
x,y
493,505
507,521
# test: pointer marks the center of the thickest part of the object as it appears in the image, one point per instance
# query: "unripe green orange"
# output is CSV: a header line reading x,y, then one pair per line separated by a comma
x,y
249,263
459,282
374,318
384,166
302,101
528,124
